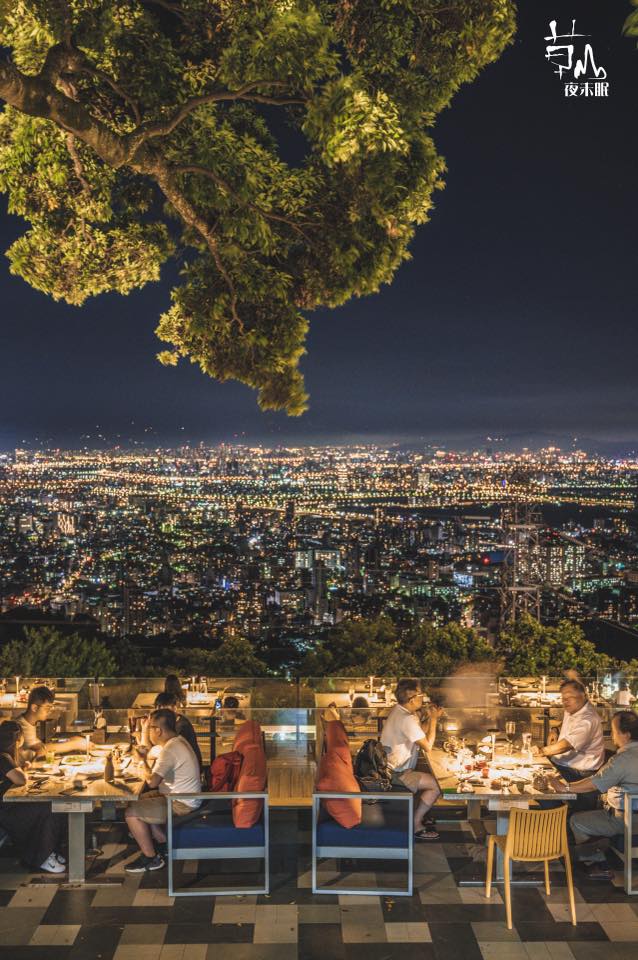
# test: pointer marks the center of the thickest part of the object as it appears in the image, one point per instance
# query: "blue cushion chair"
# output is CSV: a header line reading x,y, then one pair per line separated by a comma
x,y
208,833
385,833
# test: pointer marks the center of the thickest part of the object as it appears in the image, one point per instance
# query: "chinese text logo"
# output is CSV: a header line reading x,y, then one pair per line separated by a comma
x,y
575,63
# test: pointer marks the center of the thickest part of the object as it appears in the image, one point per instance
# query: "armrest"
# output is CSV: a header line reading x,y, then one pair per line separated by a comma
x,y
364,795
217,796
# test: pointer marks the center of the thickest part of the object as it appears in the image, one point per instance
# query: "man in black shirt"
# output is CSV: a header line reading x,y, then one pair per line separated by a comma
x,y
184,727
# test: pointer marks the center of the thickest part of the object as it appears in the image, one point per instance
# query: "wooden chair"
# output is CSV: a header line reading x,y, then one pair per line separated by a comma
x,y
532,836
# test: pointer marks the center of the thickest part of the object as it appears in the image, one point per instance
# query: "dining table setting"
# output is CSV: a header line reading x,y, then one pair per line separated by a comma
x,y
501,774
75,783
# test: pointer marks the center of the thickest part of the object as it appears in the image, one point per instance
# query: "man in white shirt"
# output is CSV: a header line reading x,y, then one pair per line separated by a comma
x,y
578,749
402,736
175,770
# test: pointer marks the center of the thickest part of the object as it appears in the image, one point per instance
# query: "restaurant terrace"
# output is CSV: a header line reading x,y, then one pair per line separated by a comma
x,y
274,868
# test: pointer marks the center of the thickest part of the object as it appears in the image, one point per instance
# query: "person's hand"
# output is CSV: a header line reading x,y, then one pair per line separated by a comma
x,y
558,784
435,711
140,752
26,764
537,752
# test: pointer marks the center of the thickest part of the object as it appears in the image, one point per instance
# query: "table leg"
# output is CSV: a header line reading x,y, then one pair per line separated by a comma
x,y
474,809
76,848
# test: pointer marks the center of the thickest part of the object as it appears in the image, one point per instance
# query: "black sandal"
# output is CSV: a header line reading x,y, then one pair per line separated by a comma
x,y
427,834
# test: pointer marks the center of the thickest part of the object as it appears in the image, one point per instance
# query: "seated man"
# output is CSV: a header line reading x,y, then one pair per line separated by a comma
x,y
175,770
39,707
578,749
620,771
402,735
183,725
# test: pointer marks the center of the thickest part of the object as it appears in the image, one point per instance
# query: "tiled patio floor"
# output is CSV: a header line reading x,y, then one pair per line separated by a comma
x,y
136,920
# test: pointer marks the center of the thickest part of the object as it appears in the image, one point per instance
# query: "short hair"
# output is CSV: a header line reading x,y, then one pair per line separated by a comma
x,y
40,695
359,702
405,690
166,719
165,699
627,723
230,703
576,684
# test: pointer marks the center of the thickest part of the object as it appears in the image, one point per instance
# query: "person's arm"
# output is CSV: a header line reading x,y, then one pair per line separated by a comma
x,y
429,728
36,748
559,746
151,778
65,746
145,737
611,775
576,786
17,776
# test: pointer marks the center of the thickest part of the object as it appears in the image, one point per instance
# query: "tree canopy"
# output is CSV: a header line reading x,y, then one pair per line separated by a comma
x,y
531,649
279,149
380,648
49,653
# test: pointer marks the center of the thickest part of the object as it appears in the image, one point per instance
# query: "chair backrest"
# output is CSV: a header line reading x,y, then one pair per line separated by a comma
x,y
537,834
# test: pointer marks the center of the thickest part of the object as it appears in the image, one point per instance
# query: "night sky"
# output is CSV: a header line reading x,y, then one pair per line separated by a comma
x,y
516,316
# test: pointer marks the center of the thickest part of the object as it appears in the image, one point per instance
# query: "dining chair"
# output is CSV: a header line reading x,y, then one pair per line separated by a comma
x,y
532,836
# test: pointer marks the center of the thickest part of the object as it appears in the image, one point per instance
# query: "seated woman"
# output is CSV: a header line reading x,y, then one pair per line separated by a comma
x,y
36,832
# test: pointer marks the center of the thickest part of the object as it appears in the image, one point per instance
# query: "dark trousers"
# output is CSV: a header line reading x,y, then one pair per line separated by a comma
x,y
34,830
583,801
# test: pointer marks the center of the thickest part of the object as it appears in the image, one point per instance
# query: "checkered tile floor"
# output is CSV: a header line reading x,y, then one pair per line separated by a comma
x,y
136,920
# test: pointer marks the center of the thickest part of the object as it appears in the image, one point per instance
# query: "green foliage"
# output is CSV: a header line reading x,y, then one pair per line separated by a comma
x,y
234,658
46,652
530,649
630,27
116,170
377,647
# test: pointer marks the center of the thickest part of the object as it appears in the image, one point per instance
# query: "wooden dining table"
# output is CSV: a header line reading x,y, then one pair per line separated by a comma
x,y
499,798
76,794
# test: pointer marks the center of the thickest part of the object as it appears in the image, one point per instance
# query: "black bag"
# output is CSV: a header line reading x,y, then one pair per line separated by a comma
x,y
371,767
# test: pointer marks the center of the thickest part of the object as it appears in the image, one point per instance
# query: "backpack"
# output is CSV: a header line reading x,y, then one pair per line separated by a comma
x,y
371,767
224,772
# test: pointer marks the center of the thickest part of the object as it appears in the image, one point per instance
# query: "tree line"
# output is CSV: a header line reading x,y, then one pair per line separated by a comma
x,y
354,647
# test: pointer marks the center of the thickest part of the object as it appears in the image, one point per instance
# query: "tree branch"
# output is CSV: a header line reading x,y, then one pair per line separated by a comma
x,y
225,186
161,128
77,163
165,179
100,75
37,97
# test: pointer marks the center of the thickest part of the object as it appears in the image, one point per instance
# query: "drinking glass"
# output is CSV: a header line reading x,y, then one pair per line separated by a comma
x,y
510,729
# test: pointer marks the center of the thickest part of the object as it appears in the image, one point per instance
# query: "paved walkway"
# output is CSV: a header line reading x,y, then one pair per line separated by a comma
x,y
136,920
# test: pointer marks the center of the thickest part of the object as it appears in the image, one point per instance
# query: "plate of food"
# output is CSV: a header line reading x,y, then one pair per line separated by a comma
x,y
73,759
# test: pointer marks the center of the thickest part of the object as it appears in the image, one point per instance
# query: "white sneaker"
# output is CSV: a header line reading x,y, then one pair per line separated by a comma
x,y
52,865
60,858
